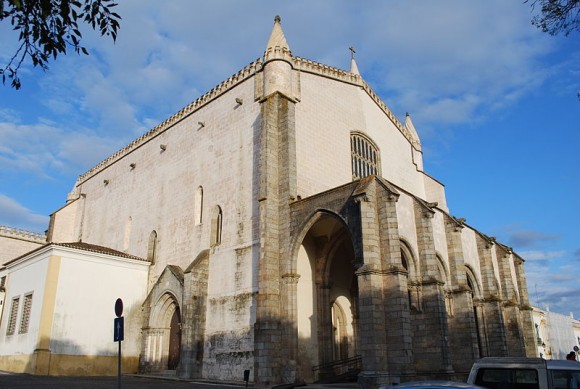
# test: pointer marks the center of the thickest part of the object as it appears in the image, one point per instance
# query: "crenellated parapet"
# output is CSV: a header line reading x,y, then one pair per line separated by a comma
x,y
11,232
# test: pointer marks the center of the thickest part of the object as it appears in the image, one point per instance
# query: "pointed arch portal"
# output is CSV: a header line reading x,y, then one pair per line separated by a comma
x,y
327,295
163,336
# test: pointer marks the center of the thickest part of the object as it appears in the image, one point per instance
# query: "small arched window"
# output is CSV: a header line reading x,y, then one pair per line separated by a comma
x,y
365,156
216,226
152,247
198,206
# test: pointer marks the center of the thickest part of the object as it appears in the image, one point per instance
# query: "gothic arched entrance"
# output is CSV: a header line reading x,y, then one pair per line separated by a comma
x,y
161,340
174,341
327,297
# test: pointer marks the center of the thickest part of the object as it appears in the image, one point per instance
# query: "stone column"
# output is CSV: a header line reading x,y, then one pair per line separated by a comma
x,y
462,326
193,318
396,290
277,187
290,326
511,311
527,322
372,326
491,313
325,341
431,333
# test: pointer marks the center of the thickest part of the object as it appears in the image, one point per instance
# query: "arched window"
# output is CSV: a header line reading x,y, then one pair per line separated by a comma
x,y
198,206
216,226
152,247
408,263
365,156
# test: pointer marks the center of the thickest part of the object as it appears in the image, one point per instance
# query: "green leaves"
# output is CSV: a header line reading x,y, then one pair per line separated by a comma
x,y
48,28
557,16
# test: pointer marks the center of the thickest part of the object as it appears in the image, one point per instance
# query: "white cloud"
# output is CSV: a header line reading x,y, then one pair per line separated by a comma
x,y
13,214
45,150
541,255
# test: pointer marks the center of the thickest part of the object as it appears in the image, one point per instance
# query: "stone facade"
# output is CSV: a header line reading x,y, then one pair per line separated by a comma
x,y
273,249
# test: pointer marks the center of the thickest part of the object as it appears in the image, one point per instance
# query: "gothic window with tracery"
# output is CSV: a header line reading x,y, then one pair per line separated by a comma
x,y
365,156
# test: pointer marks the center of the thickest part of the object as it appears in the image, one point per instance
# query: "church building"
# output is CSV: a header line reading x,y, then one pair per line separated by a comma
x,y
282,224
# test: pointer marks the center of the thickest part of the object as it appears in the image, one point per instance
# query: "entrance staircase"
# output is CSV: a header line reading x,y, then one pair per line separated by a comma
x,y
342,370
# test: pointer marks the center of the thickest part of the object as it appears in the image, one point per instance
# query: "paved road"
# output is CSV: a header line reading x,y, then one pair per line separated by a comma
x,y
25,381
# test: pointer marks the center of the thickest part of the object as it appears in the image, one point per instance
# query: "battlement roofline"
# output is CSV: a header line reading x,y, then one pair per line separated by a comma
x,y
277,49
11,232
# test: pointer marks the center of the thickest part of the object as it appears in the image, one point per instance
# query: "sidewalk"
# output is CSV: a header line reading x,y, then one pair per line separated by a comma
x,y
134,381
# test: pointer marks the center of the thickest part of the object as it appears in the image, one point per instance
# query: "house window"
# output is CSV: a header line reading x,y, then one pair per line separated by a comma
x,y
365,156
3,283
25,314
216,226
13,314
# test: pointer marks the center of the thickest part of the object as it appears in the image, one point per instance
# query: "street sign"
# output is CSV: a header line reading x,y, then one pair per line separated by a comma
x,y
119,329
119,307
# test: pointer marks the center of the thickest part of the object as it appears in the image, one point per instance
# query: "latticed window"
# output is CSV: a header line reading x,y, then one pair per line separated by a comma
x,y
25,314
365,156
13,314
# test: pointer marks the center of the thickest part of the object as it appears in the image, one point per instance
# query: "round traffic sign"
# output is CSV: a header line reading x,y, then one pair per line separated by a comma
x,y
119,307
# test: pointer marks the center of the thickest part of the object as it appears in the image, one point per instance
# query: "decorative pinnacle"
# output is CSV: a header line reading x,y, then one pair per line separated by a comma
x,y
277,19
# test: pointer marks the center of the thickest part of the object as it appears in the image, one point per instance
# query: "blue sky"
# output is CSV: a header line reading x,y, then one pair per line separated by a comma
x,y
492,97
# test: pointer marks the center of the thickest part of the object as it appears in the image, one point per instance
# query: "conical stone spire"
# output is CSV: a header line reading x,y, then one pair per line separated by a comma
x,y
353,66
277,46
411,128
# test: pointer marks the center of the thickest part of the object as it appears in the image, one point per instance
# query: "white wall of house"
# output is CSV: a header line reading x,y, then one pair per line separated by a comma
x,y
73,299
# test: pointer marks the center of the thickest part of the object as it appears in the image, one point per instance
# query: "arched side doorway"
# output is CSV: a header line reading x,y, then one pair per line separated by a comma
x,y
326,296
162,339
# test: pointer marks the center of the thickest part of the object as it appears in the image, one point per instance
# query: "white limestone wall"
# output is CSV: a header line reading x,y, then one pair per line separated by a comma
x,y
440,238
435,192
89,285
65,221
15,242
496,270
328,112
406,220
158,193
21,279
470,254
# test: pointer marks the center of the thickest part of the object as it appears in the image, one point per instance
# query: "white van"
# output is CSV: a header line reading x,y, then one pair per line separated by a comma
x,y
525,373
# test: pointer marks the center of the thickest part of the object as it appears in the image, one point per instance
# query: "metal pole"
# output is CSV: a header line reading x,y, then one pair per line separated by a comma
x,y
119,366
